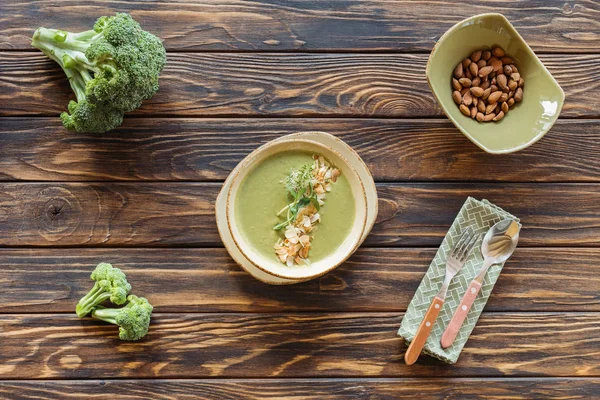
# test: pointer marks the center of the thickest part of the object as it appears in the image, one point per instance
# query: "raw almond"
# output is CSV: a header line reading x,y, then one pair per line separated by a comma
x,y
510,102
494,88
458,71
512,85
476,81
498,52
490,108
518,95
501,80
515,76
481,106
514,69
485,71
481,63
456,85
465,110
502,98
521,83
495,63
465,82
506,60
480,117
505,107
466,62
499,116
457,97
477,91
475,101
467,74
467,99
473,112
489,117
493,98
463,91
508,70
485,84
476,56
486,55
474,69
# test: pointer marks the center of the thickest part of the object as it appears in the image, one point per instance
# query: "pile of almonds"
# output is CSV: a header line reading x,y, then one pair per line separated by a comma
x,y
486,85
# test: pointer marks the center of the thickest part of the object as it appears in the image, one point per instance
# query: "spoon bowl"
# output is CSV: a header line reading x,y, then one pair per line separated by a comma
x,y
500,241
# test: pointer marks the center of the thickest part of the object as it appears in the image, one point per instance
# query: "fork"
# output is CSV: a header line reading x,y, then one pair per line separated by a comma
x,y
455,261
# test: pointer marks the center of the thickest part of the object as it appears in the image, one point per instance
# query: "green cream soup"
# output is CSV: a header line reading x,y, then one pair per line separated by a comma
x,y
262,194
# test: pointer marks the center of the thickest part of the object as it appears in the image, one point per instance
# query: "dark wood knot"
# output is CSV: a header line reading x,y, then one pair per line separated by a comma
x,y
58,213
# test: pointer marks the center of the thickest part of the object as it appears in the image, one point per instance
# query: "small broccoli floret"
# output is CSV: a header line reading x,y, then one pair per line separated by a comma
x,y
111,69
133,319
93,118
111,284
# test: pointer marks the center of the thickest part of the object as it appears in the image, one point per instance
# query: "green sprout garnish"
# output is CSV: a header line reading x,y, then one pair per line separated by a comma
x,y
299,186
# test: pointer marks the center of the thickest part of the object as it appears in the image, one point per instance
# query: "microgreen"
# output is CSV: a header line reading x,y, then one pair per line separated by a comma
x,y
299,186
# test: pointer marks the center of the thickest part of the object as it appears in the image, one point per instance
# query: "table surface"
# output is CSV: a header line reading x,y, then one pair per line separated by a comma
x,y
238,75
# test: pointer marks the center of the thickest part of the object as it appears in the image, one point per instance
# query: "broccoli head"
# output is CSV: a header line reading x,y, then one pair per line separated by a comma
x,y
111,69
133,319
111,284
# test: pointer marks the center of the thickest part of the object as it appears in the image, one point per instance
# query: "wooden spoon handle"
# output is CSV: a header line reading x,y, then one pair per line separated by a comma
x,y
460,314
414,350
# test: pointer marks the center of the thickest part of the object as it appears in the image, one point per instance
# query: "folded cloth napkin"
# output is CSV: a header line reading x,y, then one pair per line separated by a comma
x,y
481,216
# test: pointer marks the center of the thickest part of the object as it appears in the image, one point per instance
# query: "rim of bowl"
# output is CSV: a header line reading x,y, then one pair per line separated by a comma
x,y
356,241
531,54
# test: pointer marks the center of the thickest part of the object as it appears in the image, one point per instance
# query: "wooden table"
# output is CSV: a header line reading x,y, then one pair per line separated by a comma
x,y
239,74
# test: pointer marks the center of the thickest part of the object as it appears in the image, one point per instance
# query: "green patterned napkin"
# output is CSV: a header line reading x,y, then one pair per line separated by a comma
x,y
480,215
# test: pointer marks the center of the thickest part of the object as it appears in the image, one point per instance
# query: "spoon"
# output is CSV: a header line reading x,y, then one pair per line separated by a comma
x,y
497,246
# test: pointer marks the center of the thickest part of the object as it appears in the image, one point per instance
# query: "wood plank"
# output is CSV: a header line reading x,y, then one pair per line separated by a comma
x,y
547,25
208,149
182,214
309,389
294,345
376,85
207,280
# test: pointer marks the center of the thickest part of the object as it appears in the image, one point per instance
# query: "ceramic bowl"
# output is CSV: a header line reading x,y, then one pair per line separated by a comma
x,y
271,265
327,140
530,119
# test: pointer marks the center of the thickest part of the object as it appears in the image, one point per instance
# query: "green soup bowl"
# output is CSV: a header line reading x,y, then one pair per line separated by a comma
x,y
528,121
270,264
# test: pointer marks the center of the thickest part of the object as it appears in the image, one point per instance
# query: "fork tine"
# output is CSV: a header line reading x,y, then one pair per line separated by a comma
x,y
469,246
461,241
462,247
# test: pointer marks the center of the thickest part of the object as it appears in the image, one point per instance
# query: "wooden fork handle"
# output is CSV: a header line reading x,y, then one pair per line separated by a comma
x,y
415,347
460,314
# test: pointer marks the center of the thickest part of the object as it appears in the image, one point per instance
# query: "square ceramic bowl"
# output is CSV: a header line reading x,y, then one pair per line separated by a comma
x,y
530,119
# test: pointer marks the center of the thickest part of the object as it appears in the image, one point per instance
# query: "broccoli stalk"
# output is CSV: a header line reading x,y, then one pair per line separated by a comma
x,y
111,69
133,319
111,284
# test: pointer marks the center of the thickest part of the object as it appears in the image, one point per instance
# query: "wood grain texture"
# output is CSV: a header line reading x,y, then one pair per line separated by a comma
x,y
207,280
375,85
208,149
176,214
310,389
547,25
291,345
